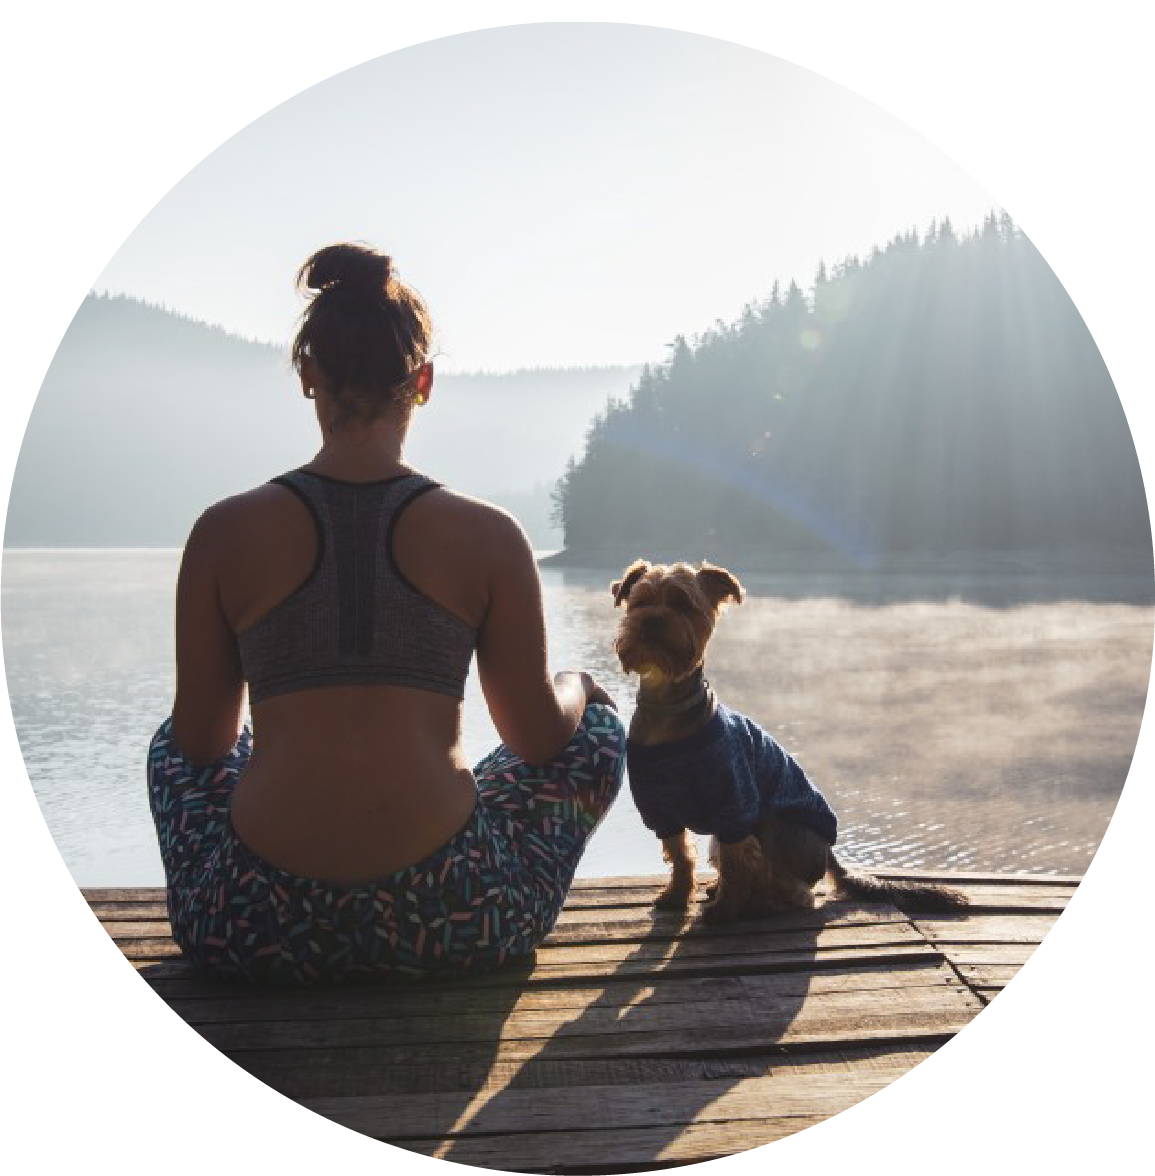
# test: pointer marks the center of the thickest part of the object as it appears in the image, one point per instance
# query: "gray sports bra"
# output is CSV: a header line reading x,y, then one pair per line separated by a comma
x,y
356,620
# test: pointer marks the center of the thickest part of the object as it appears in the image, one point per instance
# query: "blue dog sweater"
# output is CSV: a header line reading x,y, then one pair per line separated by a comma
x,y
724,779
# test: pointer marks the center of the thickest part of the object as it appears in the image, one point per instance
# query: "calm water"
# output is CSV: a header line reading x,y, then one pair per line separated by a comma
x,y
945,732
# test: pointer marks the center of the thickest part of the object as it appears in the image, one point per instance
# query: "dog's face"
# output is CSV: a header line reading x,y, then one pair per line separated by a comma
x,y
670,615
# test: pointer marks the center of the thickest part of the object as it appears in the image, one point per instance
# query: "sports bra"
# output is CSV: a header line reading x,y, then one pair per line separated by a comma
x,y
356,619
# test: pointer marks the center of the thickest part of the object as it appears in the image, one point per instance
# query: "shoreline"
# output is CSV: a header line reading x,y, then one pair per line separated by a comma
x,y
994,579
1083,561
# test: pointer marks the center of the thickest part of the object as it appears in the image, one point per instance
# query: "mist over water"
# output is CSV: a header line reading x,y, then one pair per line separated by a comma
x,y
947,732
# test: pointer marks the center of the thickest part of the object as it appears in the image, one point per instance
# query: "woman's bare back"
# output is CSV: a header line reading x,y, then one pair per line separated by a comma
x,y
349,783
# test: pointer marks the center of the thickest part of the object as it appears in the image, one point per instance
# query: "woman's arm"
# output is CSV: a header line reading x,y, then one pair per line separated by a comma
x,y
534,715
210,689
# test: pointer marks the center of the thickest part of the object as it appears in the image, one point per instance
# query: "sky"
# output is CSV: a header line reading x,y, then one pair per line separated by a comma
x,y
561,194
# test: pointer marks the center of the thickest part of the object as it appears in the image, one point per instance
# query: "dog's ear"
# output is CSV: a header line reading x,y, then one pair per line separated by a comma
x,y
719,585
632,574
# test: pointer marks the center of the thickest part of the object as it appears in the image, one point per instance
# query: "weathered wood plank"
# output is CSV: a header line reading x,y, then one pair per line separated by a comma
x,y
962,876
630,970
1015,893
117,894
548,1021
1011,902
611,1108
984,928
645,923
438,1001
751,939
983,895
606,906
155,912
732,943
299,1073
863,977
123,920
140,947
599,1151
962,954
988,975
176,976
601,1031
382,1076
617,924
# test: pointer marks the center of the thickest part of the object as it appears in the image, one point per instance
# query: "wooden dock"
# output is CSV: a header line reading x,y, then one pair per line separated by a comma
x,y
632,1040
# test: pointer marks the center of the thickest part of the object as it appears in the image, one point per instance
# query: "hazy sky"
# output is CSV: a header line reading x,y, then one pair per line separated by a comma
x,y
561,194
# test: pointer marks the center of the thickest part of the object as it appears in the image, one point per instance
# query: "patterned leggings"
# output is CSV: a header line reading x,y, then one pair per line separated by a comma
x,y
491,893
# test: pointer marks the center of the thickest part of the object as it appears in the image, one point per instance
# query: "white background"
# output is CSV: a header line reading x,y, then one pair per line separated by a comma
x,y
106,106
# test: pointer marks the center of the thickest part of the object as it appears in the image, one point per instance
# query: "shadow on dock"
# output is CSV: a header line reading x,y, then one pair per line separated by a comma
x,y
631,1040
663,1039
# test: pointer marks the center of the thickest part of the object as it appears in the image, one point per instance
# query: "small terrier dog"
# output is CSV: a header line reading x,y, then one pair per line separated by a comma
x,y
694,764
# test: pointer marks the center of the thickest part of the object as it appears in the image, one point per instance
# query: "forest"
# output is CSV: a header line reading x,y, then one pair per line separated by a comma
x,y
941,395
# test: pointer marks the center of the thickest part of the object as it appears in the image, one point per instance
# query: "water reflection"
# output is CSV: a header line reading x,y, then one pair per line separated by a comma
x,y
988,732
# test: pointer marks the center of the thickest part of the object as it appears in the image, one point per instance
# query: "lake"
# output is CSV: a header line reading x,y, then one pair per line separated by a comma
x,y
984,727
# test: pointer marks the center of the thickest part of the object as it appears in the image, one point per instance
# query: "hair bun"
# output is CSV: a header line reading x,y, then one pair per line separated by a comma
x,y
355,269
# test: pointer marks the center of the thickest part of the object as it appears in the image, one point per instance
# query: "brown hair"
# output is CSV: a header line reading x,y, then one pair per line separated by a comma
x,y
368,332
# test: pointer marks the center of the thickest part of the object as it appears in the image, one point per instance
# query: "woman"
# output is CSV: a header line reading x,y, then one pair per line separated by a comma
x,y
350,836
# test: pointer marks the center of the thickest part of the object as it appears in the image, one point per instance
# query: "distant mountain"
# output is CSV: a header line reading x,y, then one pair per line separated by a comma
x,y
145,417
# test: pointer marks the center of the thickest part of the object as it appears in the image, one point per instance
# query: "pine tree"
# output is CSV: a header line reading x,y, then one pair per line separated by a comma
x,y
938,396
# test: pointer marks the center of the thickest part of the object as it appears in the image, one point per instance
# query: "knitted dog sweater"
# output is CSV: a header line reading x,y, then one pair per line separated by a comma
x,y
724,779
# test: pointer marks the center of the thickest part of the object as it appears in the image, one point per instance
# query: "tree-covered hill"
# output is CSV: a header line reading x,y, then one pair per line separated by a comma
x,y
146,416
941,396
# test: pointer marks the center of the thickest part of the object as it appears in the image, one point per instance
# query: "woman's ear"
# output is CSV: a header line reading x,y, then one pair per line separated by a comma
x,y
423,384
308,374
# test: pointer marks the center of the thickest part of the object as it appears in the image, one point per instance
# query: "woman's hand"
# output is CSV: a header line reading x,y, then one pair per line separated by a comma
x,y
591,691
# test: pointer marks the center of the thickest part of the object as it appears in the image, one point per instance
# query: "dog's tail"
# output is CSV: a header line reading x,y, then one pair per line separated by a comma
x,y
907,896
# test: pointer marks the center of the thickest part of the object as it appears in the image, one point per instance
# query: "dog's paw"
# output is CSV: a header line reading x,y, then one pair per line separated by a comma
x,y
672,900
717,911
795,896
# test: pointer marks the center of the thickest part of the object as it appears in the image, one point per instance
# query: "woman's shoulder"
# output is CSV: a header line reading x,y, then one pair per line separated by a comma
x,y
238,508
492,522
475,537
236,518
247,522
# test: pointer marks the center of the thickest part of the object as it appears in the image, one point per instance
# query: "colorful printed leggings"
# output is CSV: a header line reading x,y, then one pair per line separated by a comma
x,y
492,893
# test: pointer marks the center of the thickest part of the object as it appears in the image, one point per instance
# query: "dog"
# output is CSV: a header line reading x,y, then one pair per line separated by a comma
x,y
695,764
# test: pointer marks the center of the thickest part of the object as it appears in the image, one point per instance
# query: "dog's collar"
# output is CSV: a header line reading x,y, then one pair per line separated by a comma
x,y
700,689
